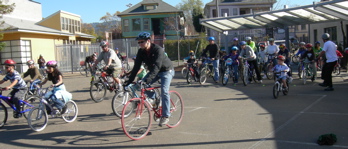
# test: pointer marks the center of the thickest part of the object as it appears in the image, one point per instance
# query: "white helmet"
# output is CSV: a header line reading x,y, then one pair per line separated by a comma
x,y
247,38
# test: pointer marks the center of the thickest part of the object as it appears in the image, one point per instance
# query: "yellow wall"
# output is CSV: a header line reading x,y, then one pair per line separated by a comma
x,y
52,22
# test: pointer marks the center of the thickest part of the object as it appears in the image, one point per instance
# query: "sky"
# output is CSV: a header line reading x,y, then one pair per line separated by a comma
x,y
92,11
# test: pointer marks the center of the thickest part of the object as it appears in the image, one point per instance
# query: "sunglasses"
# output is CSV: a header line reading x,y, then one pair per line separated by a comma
x,y
141,42
7,67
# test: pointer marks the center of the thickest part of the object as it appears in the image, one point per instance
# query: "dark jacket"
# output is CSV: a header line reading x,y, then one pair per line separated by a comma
x,y
310,55
156,62
213,51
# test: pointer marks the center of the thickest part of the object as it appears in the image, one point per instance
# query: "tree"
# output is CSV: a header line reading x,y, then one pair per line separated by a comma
x,y
89,29
196,16
191,8
111,23
4,9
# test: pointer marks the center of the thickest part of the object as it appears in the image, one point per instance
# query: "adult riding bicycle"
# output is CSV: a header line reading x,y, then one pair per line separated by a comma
x,y
24,105
38,116
137,124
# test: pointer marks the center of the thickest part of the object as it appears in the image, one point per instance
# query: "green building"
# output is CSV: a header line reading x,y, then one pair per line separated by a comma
x,y
157,17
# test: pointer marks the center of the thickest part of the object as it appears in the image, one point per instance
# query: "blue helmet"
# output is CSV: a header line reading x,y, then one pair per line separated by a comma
x,y
242,43
143,36
211,38
234,48
235,39
317,42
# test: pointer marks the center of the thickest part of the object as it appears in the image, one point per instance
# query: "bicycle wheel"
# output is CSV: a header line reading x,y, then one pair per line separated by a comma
x,y
189,77
295,59
82,70
37,119
32,100
70,111
269,72
97,91
225,77
184,72
138,123
176,109
337,70
304,76
245,76
203,76
275,90
118,102
3,115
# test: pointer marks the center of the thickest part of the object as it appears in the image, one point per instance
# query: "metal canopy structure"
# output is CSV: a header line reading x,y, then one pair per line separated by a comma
x,y
334,10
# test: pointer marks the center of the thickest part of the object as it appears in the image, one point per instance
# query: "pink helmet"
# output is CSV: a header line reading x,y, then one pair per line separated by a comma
x,y
51,64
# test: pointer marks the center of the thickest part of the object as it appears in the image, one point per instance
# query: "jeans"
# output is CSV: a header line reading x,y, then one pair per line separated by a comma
x,y
216,68
327,72
235,73
56,102
34,83
166,78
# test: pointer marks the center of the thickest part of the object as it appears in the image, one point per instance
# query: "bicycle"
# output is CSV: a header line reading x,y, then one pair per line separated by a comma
x,y
137,125
269,66
83,70
337,68
120,99
38,114
100,83
306,71
228,72
25,107
278,86
206,71
191,75
184,69
248,73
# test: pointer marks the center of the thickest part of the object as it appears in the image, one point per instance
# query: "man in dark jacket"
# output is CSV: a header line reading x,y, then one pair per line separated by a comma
x,y
214,56
159,67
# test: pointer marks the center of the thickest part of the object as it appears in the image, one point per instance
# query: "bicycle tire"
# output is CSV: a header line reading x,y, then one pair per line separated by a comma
x,y
137,125
304,76
184,72
176,109
34,116
225,77
3,115
269,73
245,76
337,70
203,77
34,101
82,71
275,90
97,88
70,112
117,104
189,77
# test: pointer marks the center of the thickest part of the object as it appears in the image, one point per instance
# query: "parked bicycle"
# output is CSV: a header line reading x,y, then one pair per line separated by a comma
x,y
278,85
207,70
38,116
137,124
25,107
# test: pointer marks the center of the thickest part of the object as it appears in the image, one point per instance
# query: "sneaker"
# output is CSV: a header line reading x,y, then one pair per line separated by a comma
x,y
163,121
329,89
260,81
17,114
56,112
64,110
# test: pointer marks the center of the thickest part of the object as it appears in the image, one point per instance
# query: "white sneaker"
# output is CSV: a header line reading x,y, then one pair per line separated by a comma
x,y
163,121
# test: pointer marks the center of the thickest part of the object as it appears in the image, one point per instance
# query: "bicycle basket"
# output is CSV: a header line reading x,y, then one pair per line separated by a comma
x,y
229,61
82,63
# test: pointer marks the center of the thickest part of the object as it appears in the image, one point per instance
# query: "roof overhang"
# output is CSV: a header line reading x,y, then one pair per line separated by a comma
x,y
334,10
36,31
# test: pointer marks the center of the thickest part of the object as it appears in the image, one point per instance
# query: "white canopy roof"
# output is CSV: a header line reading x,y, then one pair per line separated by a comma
x,y
334,10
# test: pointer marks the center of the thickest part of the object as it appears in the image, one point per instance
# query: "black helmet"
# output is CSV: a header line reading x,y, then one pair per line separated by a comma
x,y
144,36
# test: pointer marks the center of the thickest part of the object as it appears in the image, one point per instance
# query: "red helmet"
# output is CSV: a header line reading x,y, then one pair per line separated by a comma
x,y
10,62
281,57
309,45
262,46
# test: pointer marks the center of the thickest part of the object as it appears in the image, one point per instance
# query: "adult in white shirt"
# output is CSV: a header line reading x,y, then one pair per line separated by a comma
x,y
272,50
329,50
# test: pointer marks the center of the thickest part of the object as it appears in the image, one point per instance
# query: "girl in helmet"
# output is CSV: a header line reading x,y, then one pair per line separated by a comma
x,y
309,56
35,76
283,69
54,75
235,62
18,86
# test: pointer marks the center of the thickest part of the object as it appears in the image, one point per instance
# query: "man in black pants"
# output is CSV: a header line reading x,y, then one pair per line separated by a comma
x,y
329,50
249,54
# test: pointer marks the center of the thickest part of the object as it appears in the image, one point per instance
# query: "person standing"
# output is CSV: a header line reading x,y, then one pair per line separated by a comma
x,y
41,61
329,49
213,49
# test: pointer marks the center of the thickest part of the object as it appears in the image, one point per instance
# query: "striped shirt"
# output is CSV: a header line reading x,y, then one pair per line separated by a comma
x,y
15,76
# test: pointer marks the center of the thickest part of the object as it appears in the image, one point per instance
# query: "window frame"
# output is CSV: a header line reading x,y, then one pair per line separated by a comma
x,y
126,25
133,24
147,25
332,31
19,51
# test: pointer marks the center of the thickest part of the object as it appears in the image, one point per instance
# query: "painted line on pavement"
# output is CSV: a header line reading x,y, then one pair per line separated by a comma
x,y
286,123
195,108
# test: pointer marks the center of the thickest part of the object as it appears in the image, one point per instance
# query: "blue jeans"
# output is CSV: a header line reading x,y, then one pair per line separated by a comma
x,y
216,68
34,83
235,73
166,78
56,102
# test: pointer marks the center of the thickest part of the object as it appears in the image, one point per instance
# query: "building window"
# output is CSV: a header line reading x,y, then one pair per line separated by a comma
x,y
150,7
214,13
136,24
17,50
78,26
332,31
171,23
126,25
146,24
303,26
315,33
235,11
62,23
225,13
66,24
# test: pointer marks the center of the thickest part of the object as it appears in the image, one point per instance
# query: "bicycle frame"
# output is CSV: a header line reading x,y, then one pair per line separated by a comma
x,y
7,101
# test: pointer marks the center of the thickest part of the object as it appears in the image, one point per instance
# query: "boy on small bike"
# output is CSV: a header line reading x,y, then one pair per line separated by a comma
x,y
310,56
282,68
54,75
192,60
35,76
19,88
235,62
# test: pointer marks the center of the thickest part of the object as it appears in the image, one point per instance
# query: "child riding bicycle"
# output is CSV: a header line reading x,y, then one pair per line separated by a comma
x,y
235,62
35,76
282,69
